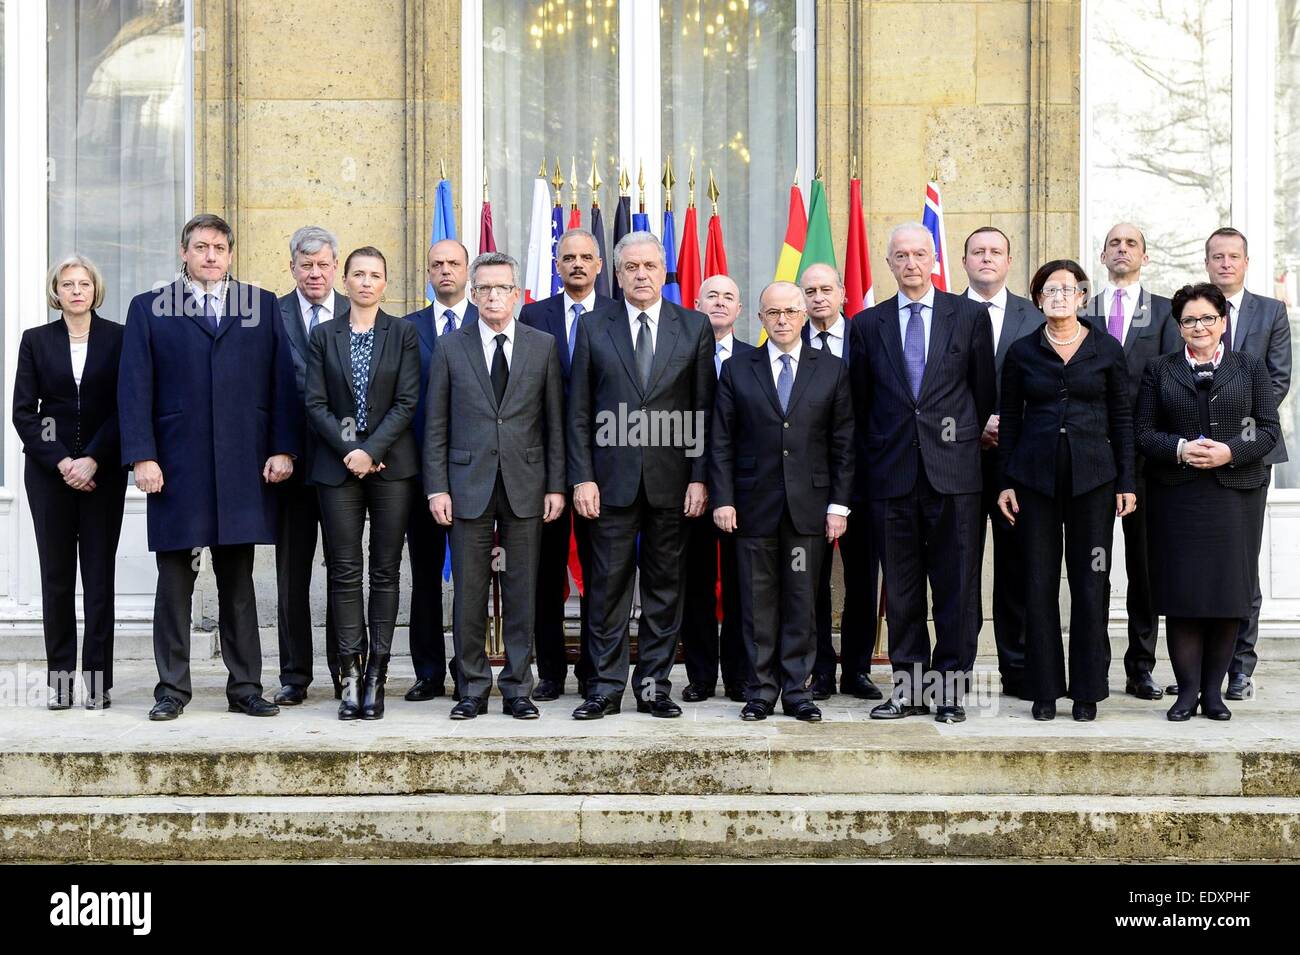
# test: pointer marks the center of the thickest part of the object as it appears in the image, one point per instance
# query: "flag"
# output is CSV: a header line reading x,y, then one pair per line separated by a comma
x,y
640,222
819,247
537,275
857,262
444,225
557,230
688,259
622,226
598,230
575,218
672,290
715,253
932,219
796,234
486,241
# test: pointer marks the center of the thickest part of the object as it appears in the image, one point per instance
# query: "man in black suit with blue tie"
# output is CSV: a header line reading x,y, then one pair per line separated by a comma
x,y
923,387
577,259
426,539
986,257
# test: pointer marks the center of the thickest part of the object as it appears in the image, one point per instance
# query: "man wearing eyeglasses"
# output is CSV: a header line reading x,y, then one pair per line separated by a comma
x,y
923,387
1141,322
640,396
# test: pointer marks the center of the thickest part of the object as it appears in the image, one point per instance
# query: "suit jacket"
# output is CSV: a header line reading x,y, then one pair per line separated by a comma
x,y
1152,333
806,335
897,435
425,322
391,396
296,332
1263,330
764,461
548,316
85,421
604,444
1019,318
469,438
1242,394
1088,398
210,408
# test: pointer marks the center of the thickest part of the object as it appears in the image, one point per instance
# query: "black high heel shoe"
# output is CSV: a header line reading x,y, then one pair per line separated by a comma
x,y
1179,714
350,679
1219,712
1044,710
372,705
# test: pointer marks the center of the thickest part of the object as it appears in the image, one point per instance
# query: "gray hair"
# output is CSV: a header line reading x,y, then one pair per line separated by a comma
x,y
781,283
575,233
69,262
909,227
637,238
493,258
310,239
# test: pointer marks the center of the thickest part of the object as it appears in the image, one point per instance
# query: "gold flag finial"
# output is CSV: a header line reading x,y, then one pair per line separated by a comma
x,y
573,181
669,181
796,176
485,183
690,183
713,192
542,172
594,182
818,173
557,180
934,176
640,184
442,169
624,183
853,167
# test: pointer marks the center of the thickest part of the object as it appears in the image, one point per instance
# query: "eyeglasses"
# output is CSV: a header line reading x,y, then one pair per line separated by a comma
x,y
1052,291
1191,321
487,291
772,314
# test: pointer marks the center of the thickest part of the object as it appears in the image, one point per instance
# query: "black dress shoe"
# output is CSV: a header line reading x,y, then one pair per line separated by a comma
x,y
896,709
1044,710
1178,714
468,708
661,706
595,707
1219,712
1143,687
424,689
372,688
756,710
696,692
735,694
949,712
1085,712
1171,689
168,708
290,695
521,708
59,701
807,711
1239,687
253,705
823,685
102,702
860,685
547,690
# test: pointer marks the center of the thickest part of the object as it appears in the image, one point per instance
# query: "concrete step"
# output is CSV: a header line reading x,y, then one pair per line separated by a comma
x,y
615,826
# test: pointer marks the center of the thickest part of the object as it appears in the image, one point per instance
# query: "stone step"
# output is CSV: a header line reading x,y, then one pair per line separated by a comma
x,y
1195,828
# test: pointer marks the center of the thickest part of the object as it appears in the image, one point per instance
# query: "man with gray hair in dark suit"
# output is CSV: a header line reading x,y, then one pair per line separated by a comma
x,y
494,458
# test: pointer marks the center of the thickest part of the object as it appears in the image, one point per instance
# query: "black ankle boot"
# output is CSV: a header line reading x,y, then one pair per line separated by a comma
x,y
372,707
350,679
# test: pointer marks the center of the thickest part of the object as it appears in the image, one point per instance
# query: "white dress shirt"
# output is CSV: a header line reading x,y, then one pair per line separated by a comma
x,y
1132,294
927,316
1234,313
634,320
440,314
587,304
835,337
723,349
774,358
326,309
79,350
997,310
489,339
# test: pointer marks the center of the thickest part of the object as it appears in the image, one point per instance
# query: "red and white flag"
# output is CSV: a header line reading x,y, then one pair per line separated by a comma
x,y
537,274
932,219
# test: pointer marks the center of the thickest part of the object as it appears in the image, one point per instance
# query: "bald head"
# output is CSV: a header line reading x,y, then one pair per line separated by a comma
x,y
719,298
783,311
1124,253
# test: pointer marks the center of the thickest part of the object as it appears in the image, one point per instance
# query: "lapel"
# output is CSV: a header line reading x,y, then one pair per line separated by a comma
x,y
892,341
622,338
521,352
190,307
1140,327
63,353
382,321
1227,371
1183,372
291,317
233,301
96,349
763,372
803,374
473,346
941,322
665,340
343,348
423,322
556,319
1013,321
1246,321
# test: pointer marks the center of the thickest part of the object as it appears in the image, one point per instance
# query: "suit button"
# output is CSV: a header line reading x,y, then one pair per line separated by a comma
x,y
785,424
643,407
916,443
918,411
499,421
785,454
494,451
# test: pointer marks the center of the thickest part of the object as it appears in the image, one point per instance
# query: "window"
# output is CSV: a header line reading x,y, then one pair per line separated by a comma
x,y
1286,211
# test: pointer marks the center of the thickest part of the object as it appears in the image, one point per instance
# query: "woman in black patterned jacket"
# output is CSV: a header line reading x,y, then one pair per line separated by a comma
x,y
1206,418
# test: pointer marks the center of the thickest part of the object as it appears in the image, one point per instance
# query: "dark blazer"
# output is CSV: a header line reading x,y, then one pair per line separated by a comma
x,y
1167,411
1152,333
764,461
548,316
1088,398
210,408
1019,318
85,422
391,396
296,332
605,389
470,438
425,322
940,432
1264,331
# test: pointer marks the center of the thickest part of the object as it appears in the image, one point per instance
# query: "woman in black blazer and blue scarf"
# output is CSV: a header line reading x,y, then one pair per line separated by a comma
x,y
1066,450
1206,417
65,411
363,383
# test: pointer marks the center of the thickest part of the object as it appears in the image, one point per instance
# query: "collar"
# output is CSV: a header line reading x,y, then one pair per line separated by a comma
x,y
998,301
1237,299
459,308
488,336
927,300
633,312
727,343
836,329
774,354
587,303
326,307
1218,356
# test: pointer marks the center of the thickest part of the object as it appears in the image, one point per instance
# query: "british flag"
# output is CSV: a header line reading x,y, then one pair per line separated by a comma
x,y
932,219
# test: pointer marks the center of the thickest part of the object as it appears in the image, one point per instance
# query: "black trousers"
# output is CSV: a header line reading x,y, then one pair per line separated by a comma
x,y
552,577
1143,621
69,524
1008,578
927,535
778,598
295,560
861,582
426,544
241,648
344,509
1088,522
624,539
710,557
1244,656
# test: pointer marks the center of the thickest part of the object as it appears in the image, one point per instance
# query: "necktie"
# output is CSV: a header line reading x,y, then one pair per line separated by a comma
x,y
1227,331
1116,323
450,327
914,349
576,309
719,356
315,318
645,350
210,312
825,339
784,382
500,370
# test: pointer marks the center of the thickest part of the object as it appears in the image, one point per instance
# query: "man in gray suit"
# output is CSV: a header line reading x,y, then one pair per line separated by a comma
x,y
313,261
1258,325
494,456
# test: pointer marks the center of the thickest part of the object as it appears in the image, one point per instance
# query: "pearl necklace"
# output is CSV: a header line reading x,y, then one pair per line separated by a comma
x,y
1078,330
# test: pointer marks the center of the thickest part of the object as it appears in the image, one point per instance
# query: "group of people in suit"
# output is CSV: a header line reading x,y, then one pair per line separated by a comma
x,y
675,458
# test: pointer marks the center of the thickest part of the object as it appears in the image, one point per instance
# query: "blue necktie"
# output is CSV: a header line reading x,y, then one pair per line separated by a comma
x,y
576,309
450,327
914,349
718,359
210,312
784,383
315,319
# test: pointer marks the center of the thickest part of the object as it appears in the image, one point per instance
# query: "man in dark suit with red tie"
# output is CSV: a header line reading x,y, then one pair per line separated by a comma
x,y
577,259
